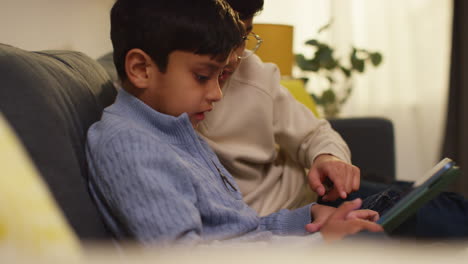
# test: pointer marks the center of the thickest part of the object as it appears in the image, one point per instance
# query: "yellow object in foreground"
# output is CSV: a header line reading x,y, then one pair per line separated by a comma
x,y
31,224
297,89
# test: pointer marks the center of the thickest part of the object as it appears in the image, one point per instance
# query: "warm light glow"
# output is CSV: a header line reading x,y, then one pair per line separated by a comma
x,y
277,45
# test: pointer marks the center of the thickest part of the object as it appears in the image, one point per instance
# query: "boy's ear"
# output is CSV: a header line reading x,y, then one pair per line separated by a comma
x,y
138,66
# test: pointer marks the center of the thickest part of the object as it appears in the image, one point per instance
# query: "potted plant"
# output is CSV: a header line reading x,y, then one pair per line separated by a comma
x,y
336,74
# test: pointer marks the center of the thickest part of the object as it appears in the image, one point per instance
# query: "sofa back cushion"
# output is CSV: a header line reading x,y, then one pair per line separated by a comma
x,y
50,98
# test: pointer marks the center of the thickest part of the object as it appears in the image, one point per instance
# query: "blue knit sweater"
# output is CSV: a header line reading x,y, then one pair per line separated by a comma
x,y
155,180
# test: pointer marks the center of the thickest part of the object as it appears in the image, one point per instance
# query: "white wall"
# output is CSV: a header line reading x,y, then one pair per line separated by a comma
x,y
410,87
81,25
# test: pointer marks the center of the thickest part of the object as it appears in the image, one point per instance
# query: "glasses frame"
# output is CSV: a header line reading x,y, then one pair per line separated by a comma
x,y
252,51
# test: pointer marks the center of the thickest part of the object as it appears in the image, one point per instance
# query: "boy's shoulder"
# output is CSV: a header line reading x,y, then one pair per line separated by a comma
x,y
115,129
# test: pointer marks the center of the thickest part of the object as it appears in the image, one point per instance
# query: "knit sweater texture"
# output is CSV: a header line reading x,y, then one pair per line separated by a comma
x,y
154,179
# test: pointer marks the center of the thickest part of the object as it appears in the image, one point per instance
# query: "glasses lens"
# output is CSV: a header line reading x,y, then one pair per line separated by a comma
x,y
252,36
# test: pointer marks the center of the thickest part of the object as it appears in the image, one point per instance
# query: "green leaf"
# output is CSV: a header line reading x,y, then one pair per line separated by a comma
x,y
305,64
359,65
376,58
325,27
356,63
346,71
325,58
299,58
313,42
316,98
328,96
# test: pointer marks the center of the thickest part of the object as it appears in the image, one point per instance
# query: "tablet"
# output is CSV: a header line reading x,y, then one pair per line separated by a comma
x,y
424,189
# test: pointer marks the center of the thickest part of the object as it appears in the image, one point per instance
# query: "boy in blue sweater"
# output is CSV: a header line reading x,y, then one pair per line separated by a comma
x,y
153,178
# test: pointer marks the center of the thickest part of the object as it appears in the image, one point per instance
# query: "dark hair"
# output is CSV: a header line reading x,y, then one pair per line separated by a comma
x,y
159,27
246,8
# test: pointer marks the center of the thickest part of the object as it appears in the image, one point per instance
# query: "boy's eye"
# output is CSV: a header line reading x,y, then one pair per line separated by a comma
x,y
201,78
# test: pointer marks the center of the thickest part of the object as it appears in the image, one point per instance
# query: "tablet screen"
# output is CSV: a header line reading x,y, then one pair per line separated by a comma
x,y
438,169
426,188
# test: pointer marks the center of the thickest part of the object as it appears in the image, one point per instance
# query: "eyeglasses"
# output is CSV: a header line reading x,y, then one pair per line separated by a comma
x,y
252,51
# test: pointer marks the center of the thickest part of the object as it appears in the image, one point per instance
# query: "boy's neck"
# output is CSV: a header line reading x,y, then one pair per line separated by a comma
x,y
131,89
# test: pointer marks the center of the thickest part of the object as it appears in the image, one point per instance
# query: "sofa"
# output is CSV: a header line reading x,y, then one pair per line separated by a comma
x,y
50,98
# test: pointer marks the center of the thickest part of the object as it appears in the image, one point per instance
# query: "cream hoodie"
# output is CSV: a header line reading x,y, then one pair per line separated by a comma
x,y
267,139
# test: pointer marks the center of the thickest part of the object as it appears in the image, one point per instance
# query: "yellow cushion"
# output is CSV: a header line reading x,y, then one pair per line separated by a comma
x,y
30,221
297,89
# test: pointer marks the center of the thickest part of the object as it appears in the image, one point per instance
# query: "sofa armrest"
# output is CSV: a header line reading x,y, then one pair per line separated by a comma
x,y
50,98
372,144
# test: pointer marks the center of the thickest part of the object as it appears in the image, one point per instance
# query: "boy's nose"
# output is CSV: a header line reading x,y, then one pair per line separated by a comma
x,y
215,94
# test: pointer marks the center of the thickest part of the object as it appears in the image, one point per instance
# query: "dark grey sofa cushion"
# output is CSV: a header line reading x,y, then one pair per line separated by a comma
x,y
372,144
107,62
51,98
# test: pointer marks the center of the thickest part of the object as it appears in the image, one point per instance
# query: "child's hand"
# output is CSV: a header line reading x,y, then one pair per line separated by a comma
x,y
368,215
346,221
320,214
